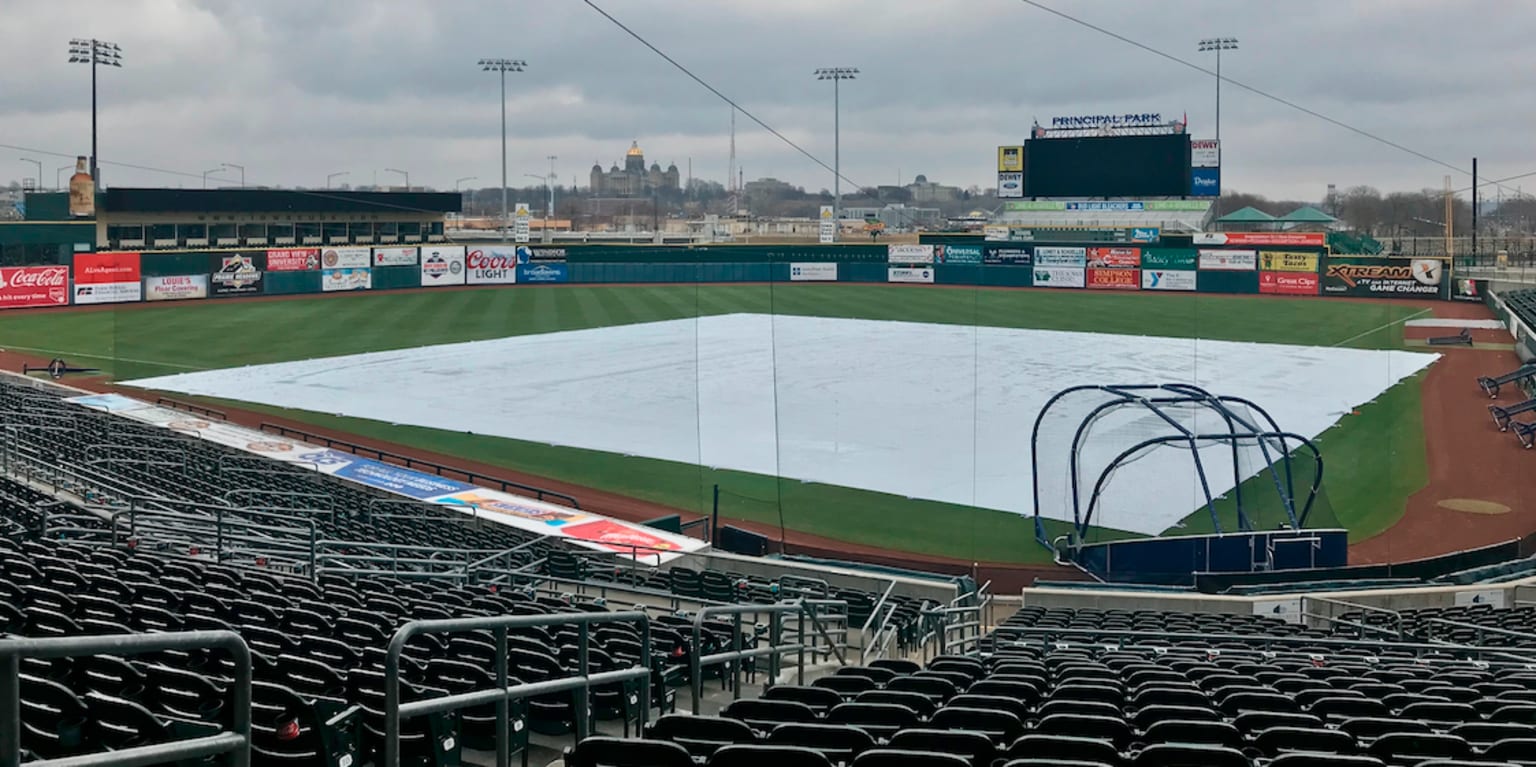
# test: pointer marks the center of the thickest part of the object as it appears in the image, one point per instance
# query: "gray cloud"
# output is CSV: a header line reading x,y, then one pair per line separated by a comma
x,y
295,89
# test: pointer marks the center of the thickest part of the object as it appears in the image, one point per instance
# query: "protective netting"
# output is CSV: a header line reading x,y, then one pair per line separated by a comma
x,y
1156,460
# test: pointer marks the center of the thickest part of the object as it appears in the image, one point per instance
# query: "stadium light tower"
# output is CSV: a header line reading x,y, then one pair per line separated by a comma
x,y
97,53
402,173
39,163
336,175
836,75
502,67
1218,44
240,168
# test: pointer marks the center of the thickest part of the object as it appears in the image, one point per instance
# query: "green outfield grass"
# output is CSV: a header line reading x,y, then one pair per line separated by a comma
x,y
1367,486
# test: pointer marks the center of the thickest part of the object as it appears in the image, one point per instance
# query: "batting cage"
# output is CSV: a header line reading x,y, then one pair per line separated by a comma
x,y
1162,481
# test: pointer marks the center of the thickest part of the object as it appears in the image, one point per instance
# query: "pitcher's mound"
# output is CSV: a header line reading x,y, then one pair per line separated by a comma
x,y
1473,506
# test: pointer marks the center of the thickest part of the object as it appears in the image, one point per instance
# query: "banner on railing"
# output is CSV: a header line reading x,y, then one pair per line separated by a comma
x,y
589,530
394,256
346,258
239,274
28,286
908,274
1169,279
335,280
1059,276
107,278
442,266
176,288
813,272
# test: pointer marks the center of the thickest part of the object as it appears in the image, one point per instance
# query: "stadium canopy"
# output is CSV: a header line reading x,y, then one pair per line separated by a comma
x,y
1307,215
1248,215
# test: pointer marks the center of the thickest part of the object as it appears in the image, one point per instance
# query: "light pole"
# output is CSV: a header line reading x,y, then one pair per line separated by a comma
x,y
58,177
206,172
337,174
502,67
458,181
403,173
836,75
96,53
39,164
240,168
1218,44
552,178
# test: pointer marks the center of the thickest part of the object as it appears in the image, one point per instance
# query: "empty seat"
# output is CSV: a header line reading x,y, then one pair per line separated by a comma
x,y
1277,740
621,752
846,686
702,736
1000,726
767,756
890,757
1172,755
1415,747
820,699
764,715
1066,748
840,743
922,705
976,748
1200,733
881,720
1116,731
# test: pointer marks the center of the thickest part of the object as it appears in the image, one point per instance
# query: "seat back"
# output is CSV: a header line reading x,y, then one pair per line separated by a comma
x,y
702,736
767,756
891,757
976,748
838,742
624,752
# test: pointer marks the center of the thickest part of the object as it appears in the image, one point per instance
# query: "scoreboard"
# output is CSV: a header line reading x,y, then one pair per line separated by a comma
x,y
1107,166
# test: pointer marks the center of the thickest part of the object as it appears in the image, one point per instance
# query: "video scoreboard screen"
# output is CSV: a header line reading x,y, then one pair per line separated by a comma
x,y
1107,166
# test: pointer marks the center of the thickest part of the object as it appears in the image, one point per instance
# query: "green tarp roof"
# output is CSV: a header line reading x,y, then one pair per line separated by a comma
x,y
1307,215
1249,215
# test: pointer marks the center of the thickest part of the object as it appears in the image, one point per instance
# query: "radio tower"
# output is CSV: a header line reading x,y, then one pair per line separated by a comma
x,y
730,172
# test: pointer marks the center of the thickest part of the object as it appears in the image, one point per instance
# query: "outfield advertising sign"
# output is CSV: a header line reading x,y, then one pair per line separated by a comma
x,y
1289,283
346,258
1113,279
908,274
1050,255
1169,258
239,274
1287,261
1379,277
1113,258
491,266
1060,276
1007,255
293,260
1466,290
909,254
965,255
107,278
1229,260
1291,239
176,288
442,265
813,272
394,256
335,280
1168,279
542,273
23,287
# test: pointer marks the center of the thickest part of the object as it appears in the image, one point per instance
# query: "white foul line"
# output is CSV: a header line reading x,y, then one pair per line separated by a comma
x,y
1383,327
58,353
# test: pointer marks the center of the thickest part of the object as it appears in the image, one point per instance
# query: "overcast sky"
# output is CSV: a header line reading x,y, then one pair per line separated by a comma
x,y
297,89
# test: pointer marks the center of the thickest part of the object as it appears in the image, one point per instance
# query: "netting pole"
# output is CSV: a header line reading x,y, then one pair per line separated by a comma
x,y
714,524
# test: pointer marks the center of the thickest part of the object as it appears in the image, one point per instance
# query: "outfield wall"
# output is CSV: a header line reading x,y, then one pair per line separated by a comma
x,y
1279,264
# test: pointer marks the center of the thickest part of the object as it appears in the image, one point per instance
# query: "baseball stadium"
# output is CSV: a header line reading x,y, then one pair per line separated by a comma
x,y
1114,478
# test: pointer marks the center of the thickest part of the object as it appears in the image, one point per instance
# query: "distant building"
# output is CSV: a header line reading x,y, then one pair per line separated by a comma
x,y
923,190
634,180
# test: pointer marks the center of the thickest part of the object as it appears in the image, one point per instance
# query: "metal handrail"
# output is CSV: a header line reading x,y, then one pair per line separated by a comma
x,y
395,711
1397,617
236,741
812,613
1482,631
698,661
1258,642
219,524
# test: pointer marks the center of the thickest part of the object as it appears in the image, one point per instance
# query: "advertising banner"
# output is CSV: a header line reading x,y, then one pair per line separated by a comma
x,y
1146,234
957,254
906,274
1205,182
1010,159
1289,283
530,255
826,231
1059,276
1007,255
176,288
239,274
1384,277
442,265
346,258
1121,206
1168,279
293,260
491,266
1026,206
1461,290
334,280
1204,153
1169,258
520,222
394,257
23,287
1050,255
107,278
813,272
1114,279
1287,261
1010,185
909,254
1114,258
1292,239
1229,260
995,232
545,273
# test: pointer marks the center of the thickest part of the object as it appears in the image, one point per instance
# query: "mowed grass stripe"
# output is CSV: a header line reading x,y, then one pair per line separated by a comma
x,y
1367,497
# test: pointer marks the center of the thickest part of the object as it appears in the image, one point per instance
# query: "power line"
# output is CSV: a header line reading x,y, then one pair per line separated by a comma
x,y
712,89
1251,89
